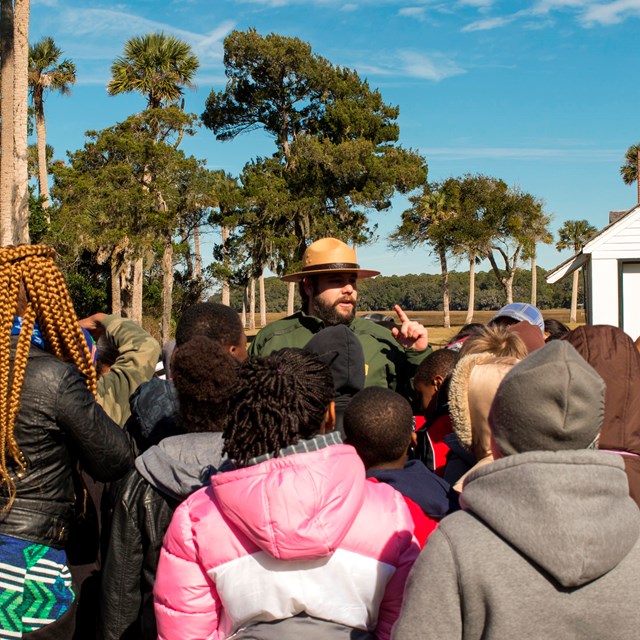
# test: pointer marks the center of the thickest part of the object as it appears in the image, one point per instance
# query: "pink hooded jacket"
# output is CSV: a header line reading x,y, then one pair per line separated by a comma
x,y
300,534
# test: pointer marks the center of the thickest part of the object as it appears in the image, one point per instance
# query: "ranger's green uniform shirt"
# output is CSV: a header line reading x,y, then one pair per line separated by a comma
x,y
387,364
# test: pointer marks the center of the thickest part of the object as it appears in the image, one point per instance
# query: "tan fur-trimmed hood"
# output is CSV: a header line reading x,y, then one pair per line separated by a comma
x,y
474,383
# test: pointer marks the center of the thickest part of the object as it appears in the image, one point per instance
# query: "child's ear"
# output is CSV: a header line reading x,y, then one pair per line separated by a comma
x,y
329,422
414,440
437,381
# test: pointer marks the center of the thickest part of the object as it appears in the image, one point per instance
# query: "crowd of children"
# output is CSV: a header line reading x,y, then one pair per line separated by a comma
x,y
282,495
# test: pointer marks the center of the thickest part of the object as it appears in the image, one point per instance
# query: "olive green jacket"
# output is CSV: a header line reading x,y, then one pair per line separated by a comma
x,y
387,363
138,354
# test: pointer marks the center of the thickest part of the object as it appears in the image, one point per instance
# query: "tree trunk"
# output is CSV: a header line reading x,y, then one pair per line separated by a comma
x,y
244,307
226,291
198,260
263,302
198,253
290,299
6,114
508,288
43,175
472,289
534,280
116,300
445,289
252,304
167,290
510,269
573,315
136,290
125,282
131,279
184,237
20,103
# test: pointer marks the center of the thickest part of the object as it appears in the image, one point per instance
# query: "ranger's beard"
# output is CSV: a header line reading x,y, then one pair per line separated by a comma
x,y
330,314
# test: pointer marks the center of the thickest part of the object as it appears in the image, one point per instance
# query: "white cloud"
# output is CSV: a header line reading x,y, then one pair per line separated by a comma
x,y
413,12
607,13
100,78
212,80
434,67
92,27
480,4
587,12
271,3
364,3
411,64
523,153
543,7
350,6
489,23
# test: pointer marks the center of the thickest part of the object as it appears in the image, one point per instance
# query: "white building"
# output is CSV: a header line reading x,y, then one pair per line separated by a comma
x,y
611,263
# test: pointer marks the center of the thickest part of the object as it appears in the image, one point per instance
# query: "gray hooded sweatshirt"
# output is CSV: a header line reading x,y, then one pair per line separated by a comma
x,y
547,546
180,465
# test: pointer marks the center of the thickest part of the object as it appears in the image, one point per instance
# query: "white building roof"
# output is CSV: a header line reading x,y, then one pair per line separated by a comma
x,y
601,238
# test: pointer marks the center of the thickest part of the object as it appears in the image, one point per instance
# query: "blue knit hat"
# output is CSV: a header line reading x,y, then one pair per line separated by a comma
x,y
522,312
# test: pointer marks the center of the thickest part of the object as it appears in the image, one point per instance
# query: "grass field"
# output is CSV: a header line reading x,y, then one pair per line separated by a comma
x,y
433,321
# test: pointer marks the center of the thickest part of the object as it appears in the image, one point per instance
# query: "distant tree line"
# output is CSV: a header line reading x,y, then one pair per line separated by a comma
x,y
424,292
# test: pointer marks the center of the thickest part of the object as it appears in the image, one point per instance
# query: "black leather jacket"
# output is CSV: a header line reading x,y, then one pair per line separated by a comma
x,y
58,424
145,500
140,520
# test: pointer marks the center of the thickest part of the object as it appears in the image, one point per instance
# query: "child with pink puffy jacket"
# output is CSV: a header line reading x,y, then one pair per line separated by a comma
x,y
291,541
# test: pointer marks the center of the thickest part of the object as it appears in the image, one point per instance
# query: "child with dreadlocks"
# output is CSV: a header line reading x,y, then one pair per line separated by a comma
x,y
49,419
289,541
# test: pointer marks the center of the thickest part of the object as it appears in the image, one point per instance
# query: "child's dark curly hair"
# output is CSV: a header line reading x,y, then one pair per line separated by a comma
x,y
210,319
279,400
205,377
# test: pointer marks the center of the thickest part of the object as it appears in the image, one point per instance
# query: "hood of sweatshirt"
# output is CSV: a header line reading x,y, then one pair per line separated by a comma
x,y
567,511
180,465
613,355
296,507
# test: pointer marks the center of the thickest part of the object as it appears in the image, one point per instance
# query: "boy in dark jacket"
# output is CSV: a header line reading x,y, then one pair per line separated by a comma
x,y
378,423
431,383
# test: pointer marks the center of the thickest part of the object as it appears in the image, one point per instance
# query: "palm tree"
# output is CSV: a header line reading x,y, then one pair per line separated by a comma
x,y
432,220
156,65
574,234
629,170
6,114
537,232
47,73
14,173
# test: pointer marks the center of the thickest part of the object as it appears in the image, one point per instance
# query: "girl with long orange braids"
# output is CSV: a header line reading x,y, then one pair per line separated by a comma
x,y
49,420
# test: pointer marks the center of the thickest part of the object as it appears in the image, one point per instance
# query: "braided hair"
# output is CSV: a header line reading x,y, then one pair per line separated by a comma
x,y
280,399
33,287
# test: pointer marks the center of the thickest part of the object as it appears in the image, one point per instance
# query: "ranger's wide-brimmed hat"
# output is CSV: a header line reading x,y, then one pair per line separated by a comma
x,y
329,255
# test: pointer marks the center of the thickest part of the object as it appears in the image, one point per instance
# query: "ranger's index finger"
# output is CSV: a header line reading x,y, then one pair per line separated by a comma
x,y
401,314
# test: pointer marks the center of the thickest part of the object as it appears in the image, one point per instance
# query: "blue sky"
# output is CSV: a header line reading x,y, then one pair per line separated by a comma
x,y
541,93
